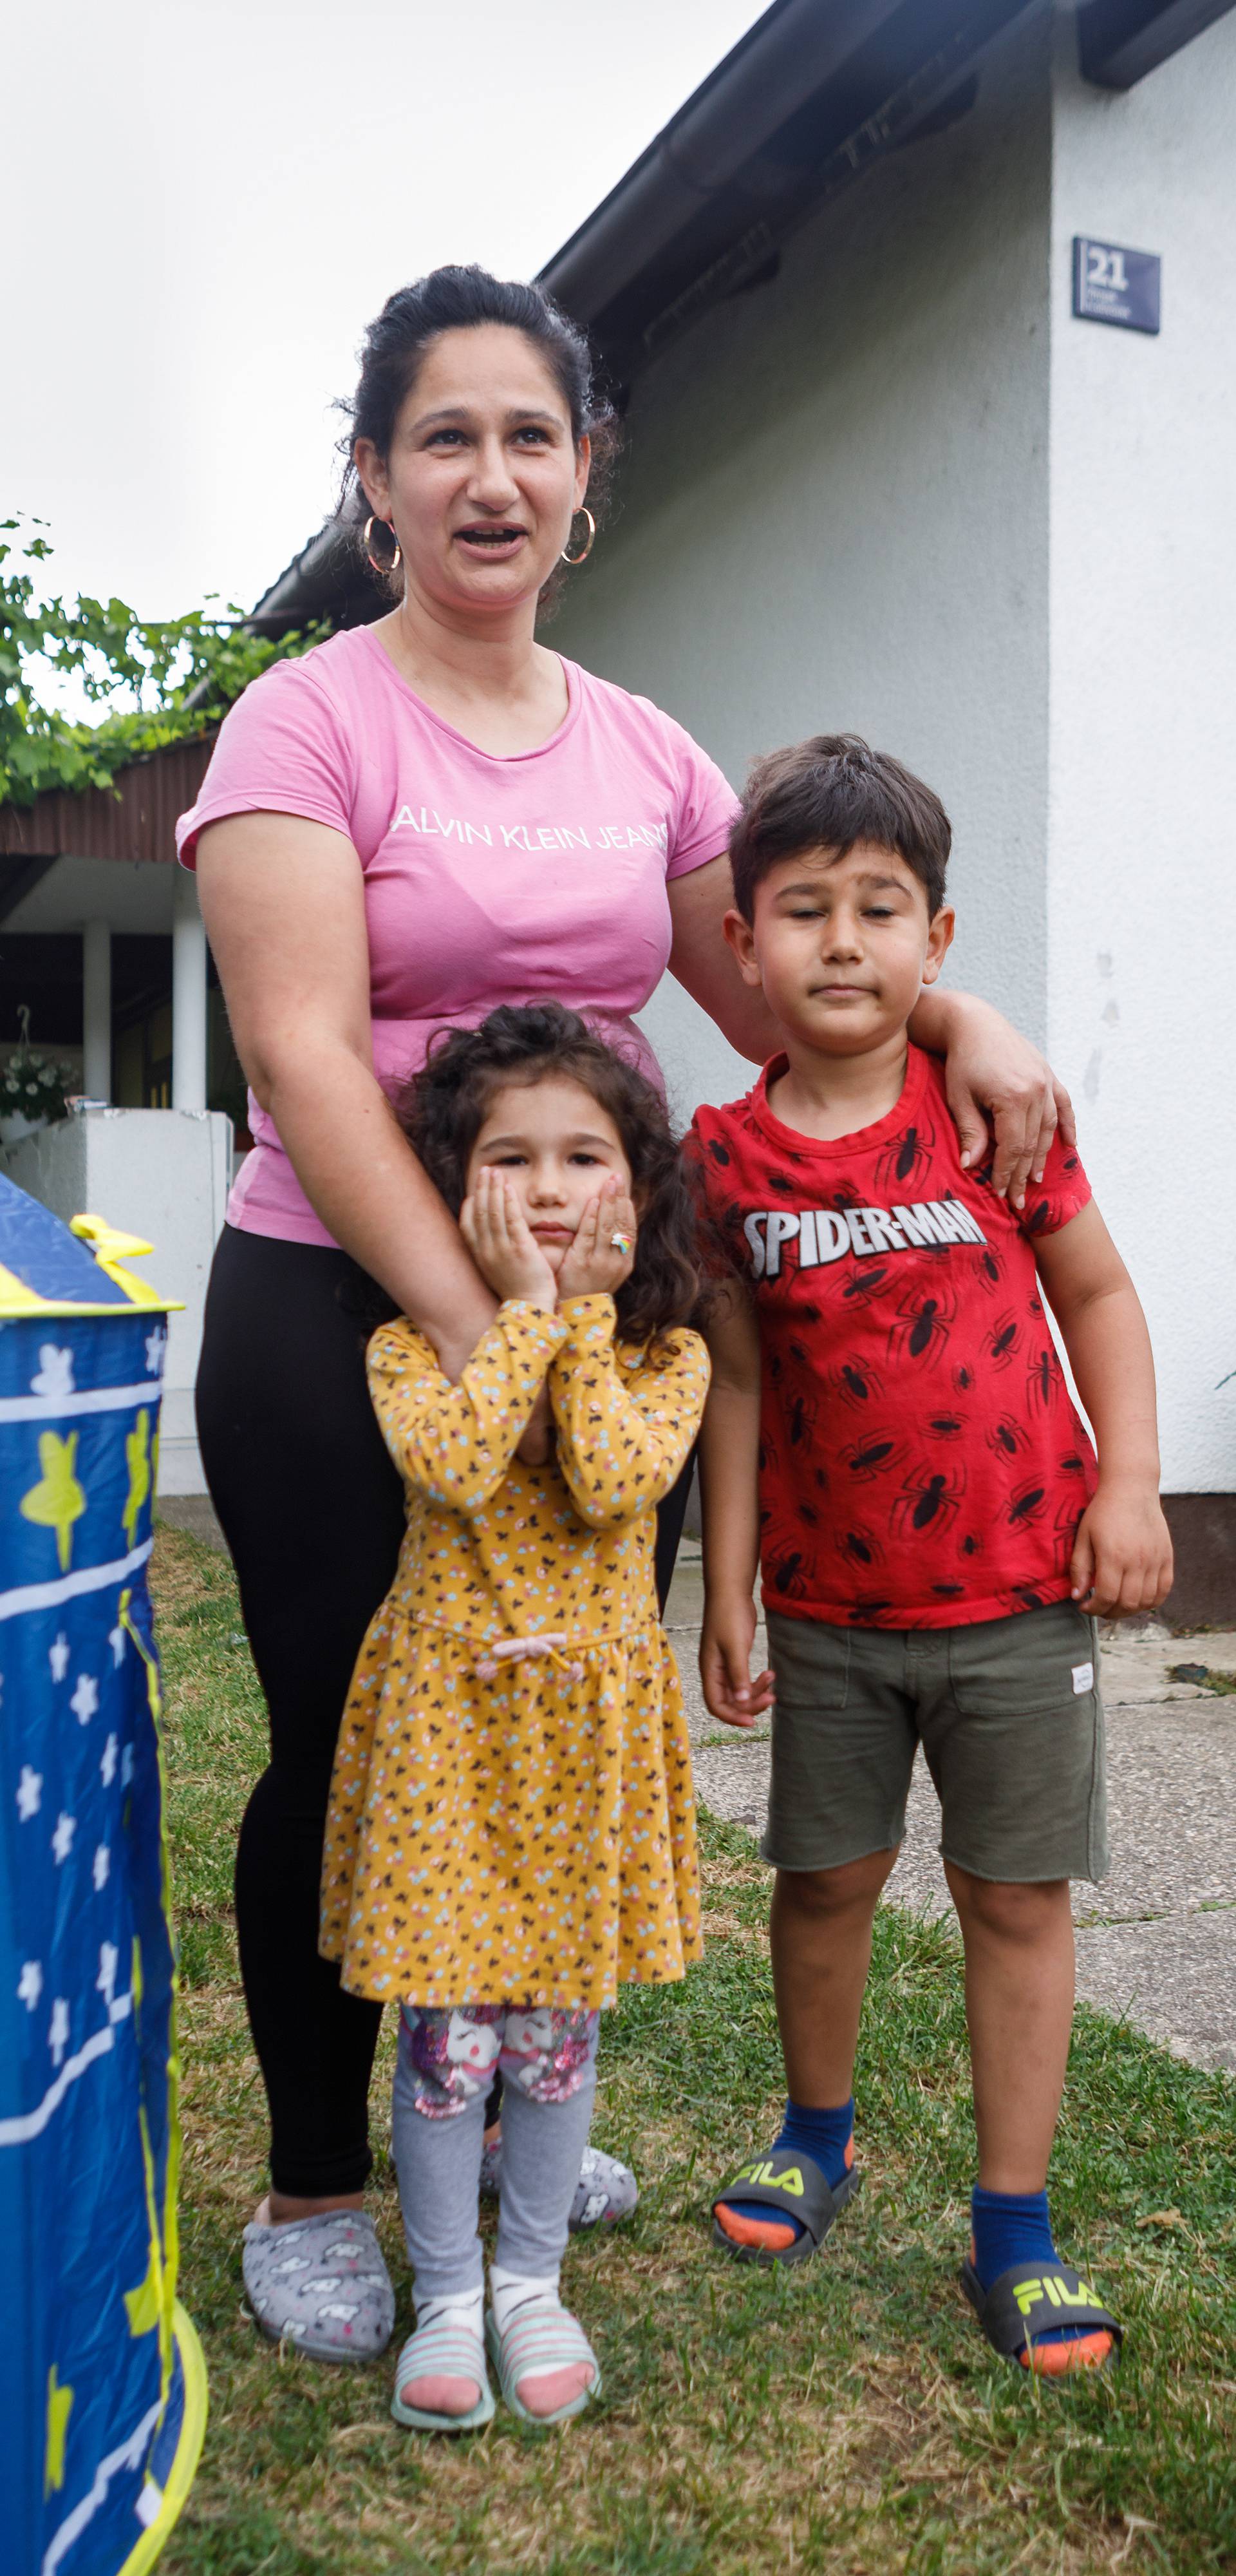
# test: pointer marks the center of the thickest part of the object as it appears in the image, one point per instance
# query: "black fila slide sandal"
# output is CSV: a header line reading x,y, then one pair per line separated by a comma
x,y
791,2184
1031,2300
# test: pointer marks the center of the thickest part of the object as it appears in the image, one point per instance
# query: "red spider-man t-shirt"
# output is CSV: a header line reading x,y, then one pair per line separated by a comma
x,y
921,1461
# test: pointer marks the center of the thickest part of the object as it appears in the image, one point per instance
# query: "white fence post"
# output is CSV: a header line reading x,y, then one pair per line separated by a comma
x,y
188,996
97,1009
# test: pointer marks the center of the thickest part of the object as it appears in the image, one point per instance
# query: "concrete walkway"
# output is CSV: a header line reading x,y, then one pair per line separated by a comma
x,y
1156,1942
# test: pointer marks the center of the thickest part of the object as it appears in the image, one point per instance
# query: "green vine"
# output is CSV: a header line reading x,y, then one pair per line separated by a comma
x,y
178,674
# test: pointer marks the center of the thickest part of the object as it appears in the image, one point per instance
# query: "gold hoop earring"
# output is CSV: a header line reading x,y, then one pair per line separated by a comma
x,y
582,557
372,560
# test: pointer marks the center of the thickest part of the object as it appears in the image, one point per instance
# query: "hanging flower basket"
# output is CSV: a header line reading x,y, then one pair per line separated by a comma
x,y
34,1088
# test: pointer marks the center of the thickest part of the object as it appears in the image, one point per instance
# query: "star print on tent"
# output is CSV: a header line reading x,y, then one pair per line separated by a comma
x,y
58,2035
93,2472
54,1376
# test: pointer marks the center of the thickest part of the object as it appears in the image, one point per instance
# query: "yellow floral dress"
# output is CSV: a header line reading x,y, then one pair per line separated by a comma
x,y
511,1816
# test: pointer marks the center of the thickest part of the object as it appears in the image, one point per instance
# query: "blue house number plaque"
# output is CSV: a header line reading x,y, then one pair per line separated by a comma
x,y
1111,284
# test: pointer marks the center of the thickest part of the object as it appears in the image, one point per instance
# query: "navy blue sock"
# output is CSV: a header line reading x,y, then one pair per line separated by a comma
x,y
1014,2227
822,2135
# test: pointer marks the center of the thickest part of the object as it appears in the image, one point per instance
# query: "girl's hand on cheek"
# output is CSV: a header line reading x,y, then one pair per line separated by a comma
x,y
594,1266
508,1257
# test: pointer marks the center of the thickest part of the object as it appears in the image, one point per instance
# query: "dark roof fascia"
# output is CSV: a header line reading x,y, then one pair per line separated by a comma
x,y
328,579
1119,41
812,93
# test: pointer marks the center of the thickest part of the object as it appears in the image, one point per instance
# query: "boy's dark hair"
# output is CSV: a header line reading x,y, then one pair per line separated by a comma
x,y
444,1106
826,794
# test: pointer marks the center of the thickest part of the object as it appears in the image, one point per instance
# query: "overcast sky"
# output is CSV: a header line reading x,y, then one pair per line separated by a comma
x,y
206,200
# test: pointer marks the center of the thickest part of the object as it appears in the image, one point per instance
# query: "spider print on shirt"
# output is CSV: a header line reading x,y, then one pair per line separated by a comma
x,y
924,1317
1027,1505
856,1386
874,1457
930,1498
1043,1380
1003,1341
859,1547
786,1576
865,1286
947,1426
803,1415
1007,1438
904,1162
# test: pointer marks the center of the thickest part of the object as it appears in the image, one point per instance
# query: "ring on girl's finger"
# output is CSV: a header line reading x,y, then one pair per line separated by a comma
x,y
620,1241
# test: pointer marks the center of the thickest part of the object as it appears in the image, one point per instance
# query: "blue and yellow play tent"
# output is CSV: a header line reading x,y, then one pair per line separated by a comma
x,y
102,2384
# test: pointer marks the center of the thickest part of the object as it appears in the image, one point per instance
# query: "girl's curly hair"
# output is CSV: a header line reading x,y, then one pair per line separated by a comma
x,y
443,1109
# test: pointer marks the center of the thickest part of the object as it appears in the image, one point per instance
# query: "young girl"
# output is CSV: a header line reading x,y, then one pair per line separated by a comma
x,y
511,1832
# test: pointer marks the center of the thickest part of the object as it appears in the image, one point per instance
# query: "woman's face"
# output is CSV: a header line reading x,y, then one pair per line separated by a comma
x,y
483,475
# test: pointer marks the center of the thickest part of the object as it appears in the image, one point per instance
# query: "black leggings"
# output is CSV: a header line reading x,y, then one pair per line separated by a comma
x,y
312,1510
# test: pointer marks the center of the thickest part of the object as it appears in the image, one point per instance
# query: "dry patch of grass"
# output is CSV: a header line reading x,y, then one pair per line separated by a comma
x,y
844,2417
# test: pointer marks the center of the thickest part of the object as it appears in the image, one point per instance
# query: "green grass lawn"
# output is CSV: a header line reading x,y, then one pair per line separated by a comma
x,y
844,2416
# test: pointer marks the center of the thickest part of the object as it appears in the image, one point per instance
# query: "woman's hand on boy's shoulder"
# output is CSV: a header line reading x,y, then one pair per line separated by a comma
x,y
728,1636
1122,1555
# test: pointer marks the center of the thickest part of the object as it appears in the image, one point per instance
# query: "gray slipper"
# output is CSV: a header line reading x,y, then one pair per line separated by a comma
x,y
321,2283
606,2191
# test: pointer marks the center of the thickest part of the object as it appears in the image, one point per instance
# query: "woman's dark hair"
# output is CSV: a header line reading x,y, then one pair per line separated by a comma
x,y
458,299
444,1107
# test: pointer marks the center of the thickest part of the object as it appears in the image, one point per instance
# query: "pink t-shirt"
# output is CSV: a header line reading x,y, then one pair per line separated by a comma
x,y
487,878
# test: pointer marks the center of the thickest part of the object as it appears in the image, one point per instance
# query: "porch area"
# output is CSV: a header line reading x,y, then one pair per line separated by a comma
x,y
104,959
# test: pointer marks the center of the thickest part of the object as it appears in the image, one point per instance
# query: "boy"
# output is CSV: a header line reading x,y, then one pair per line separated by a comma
x,y
890,1434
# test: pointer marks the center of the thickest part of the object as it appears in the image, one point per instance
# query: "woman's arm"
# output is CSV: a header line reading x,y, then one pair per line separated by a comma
x,y
993,1073
624,1435
729,1487
1122,1557
283,904
703,962
457,1442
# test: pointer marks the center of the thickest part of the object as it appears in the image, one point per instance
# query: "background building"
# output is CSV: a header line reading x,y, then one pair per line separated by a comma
x,y
889,482
881,476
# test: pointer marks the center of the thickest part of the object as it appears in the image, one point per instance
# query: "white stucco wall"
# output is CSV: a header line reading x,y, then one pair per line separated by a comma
x,y
162,1174
1142,837
833,514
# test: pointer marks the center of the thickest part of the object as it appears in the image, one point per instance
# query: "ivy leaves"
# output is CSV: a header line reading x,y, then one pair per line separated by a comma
x,y
179,675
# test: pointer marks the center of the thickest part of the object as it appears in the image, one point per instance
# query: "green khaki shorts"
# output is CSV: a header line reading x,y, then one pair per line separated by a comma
x,y
1009,1718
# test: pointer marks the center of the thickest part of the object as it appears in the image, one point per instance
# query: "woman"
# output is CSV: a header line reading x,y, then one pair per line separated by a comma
x,y
416,821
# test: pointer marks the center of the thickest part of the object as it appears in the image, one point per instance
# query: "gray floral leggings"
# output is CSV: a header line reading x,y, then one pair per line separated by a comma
x,y
447,2060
